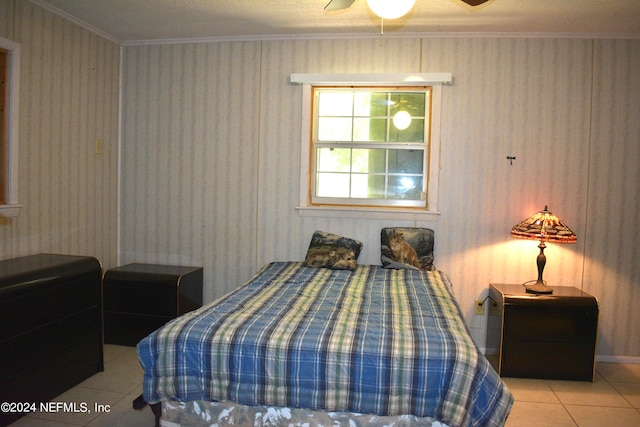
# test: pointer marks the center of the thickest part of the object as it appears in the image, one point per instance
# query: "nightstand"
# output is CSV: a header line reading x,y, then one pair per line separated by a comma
x,y
140,298
551,336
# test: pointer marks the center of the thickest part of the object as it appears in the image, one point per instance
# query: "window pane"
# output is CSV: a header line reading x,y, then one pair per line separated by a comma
x,y
377,186
371,104
332,185
412,102
335,104
370,130
367,160
414,133
4,106
367,186
360,186
362,104
406,161
334,129
405,187
334,159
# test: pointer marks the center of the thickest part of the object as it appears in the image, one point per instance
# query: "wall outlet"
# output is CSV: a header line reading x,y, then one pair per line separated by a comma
x,y
479,307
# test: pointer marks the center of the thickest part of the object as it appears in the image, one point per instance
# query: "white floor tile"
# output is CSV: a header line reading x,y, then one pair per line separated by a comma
x,y
528,390
122,414
597,416
597,393
531,414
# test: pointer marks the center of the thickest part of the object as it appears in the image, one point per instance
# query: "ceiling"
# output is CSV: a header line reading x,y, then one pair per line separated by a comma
x,y
139,21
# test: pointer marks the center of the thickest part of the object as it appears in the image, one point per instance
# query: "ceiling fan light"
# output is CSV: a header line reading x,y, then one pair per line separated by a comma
x,y
402,120
391,9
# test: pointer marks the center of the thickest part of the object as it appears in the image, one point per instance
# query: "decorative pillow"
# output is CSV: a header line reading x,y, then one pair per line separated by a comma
x,y
410,248
332,251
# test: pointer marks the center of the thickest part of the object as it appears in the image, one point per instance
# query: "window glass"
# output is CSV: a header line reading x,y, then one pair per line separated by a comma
x,y
9,90
370,146
4,78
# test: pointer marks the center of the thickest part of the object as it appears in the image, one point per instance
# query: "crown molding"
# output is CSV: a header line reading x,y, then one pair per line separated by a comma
x,y
351,36
75,20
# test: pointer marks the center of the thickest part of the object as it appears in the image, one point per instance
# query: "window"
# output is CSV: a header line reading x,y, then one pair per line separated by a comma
x,y
370,150
369,146
4,67
9,74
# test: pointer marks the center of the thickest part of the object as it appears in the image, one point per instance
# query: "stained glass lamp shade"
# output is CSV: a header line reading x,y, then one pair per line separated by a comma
x,y
545,227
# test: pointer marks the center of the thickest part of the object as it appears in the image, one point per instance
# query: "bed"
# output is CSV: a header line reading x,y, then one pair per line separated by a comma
x,y
301,344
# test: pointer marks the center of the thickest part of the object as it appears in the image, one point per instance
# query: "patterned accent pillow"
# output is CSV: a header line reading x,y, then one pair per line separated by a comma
x,y
405,247
332,251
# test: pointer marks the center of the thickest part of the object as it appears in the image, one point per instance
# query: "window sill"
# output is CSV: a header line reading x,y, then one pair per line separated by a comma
x,y
367,213
9,211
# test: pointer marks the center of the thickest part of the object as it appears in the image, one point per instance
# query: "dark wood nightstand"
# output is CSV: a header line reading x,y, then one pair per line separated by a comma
x,y
550,336
140,298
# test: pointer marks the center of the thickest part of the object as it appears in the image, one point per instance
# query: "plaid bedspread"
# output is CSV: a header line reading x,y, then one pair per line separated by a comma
x,y
373,341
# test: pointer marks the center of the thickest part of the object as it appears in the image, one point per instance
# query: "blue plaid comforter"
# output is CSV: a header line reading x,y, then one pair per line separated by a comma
x,y
374,340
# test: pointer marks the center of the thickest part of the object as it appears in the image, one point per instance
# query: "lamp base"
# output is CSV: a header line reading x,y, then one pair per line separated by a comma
x,y
539,288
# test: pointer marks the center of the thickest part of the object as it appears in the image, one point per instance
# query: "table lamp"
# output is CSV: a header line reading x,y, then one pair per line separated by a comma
x,y
545,227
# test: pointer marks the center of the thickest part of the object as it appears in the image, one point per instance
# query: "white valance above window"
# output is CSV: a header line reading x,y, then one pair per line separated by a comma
x,y
385,79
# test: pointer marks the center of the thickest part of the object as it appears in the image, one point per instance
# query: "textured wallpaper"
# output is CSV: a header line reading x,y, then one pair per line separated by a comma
x,y
211,157
612,238
208,167
69,85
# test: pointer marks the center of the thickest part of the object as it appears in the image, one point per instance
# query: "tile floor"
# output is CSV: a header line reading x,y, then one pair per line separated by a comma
x,y
612,400
117,386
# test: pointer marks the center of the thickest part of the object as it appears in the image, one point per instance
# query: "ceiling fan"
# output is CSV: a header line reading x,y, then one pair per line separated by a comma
x,y
344,4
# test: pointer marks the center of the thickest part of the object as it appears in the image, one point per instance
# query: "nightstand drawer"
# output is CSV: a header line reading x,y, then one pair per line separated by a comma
x,y
130,328
561,361
543,324
129,296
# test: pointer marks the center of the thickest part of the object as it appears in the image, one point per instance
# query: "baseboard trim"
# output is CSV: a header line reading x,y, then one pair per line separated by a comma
x,y
618,359
604,358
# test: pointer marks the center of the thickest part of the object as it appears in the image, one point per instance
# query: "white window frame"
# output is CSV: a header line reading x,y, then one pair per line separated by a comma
x,y
12,207
308,81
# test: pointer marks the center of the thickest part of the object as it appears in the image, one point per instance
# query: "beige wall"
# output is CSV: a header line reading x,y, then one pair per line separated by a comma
x,y
210,156
69,83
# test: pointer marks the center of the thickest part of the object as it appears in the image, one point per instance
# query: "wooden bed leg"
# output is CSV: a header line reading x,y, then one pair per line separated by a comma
x,y
156,408
139,403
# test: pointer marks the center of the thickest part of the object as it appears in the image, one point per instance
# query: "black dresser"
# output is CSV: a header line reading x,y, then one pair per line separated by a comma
x,y
140,298
551,336
50,327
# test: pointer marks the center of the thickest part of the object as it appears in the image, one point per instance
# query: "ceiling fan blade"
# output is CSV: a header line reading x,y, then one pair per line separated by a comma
x,y
475,2
338,4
